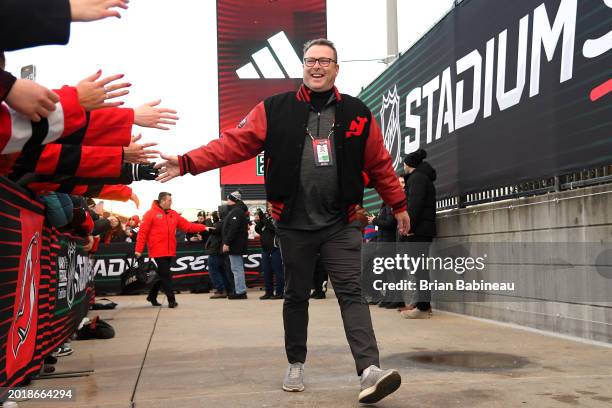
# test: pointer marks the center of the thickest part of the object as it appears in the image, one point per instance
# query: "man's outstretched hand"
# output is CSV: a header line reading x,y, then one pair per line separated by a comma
x,y
168,169
403,223
92,10
139,153
149,115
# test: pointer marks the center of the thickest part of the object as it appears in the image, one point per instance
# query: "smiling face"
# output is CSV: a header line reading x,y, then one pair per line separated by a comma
x,y
114,222
318,78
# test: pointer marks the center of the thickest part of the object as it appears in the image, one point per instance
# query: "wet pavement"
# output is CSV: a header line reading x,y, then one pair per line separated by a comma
x,y
221,353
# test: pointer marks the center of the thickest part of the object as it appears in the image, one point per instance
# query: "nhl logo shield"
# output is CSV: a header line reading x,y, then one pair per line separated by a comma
x,y
390,124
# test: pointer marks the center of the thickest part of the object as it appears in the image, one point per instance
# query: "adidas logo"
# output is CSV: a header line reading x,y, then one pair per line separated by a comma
x,y
276,60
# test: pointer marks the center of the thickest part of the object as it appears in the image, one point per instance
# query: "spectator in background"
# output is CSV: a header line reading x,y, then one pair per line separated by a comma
x,y
158,234
199,237
116,232
132,228
235,238
319,280
216,267
387,232
421,196
271,261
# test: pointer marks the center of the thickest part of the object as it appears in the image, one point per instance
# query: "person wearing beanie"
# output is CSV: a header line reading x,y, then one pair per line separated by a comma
x,y
421,197
235,236
321,148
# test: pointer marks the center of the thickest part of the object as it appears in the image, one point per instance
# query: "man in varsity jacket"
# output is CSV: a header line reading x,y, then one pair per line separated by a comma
x,y
321,148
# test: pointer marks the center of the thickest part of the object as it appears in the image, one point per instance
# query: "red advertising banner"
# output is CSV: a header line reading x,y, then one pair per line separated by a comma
x,y
260,53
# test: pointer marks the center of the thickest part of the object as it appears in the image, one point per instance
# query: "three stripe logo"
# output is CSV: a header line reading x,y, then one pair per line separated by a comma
x,y
277,60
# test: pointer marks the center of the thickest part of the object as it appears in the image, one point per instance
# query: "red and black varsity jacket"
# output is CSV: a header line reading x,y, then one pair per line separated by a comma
x,y
116,192
278,126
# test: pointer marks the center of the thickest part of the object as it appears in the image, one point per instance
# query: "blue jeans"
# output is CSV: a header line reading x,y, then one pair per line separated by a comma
x,y
238,271
216,271
272,266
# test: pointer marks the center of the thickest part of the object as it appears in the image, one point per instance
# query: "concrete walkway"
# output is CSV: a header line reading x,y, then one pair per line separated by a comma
x,y
220,353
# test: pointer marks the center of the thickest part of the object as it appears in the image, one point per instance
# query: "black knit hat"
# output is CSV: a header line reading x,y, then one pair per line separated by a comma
x,y
235,196
415,158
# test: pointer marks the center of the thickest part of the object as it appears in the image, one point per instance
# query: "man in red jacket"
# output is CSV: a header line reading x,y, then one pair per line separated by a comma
x,y
157,231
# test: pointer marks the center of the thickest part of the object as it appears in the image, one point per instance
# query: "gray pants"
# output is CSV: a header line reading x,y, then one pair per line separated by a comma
x,y
340,249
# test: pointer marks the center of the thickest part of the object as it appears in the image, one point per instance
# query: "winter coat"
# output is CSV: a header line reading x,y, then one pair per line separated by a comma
x,y
387,225
421,196
214,244
267,231
158,231
235,229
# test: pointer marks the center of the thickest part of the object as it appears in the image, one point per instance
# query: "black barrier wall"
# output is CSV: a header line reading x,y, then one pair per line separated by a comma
x,y
189,269
501,92
46,286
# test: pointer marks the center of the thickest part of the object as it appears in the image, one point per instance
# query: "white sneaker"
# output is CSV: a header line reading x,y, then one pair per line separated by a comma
x,y
376,384
416,314
294,378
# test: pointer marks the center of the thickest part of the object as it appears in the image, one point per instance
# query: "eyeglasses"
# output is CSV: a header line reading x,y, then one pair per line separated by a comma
x,y
324,62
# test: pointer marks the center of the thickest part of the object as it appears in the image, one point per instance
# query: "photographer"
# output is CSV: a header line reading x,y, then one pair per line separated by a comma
x,y
271,261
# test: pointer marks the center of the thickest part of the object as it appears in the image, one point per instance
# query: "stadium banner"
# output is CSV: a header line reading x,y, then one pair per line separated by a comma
x,y
500,93
260,54
34,320
189,268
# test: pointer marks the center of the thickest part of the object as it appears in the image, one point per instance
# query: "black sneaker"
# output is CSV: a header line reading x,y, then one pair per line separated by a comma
x,y
317,295
63,351
153,301
172,305
50,360
235,296
265,297
276,297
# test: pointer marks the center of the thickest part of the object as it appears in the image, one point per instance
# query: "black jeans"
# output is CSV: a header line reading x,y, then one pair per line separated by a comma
x,y
165,279
340,249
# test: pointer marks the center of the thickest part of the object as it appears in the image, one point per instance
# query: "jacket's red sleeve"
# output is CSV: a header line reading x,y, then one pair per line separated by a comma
x,y
189,227
116,192
234,146
109,127
379,168
16,129
71,160
143,233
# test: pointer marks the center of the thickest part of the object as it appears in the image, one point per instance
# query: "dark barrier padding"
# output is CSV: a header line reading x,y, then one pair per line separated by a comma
x,y
46,285
189,269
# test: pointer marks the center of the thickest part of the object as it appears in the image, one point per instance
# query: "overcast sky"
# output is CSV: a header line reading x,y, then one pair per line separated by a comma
x,y
171,53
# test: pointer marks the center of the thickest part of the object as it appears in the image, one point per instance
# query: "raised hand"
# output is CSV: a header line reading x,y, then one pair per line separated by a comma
x,y
168,169
31,99
92,10
94,92
148,115
139,153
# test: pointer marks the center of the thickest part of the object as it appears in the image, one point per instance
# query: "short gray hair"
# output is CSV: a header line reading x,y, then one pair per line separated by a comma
x,y
321,41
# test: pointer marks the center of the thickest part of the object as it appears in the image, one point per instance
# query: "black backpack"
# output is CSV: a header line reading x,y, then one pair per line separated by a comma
x,y
96,329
